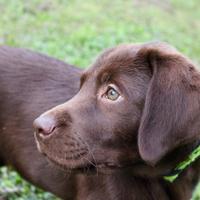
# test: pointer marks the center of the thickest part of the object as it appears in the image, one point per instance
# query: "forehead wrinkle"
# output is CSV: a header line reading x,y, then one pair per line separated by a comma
x,y
115,67
107,75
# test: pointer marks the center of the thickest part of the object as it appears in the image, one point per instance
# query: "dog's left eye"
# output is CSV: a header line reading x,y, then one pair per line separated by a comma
x,y
112,94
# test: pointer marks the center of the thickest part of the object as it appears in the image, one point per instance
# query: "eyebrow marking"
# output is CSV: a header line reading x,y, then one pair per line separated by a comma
x,y
105,77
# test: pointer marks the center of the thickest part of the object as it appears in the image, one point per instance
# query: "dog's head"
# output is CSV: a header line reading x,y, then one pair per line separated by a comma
x,y
136,102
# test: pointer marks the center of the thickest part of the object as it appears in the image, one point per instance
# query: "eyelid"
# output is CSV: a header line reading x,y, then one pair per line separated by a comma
x,y
110,86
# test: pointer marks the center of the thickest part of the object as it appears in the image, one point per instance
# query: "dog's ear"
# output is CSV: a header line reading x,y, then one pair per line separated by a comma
x,y
171,115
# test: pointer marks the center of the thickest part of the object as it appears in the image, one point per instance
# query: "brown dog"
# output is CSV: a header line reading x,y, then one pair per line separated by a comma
x,y
136,116
30,83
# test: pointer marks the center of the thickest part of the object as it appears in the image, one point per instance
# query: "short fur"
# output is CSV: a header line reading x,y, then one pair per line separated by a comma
x,y
30,83
134,141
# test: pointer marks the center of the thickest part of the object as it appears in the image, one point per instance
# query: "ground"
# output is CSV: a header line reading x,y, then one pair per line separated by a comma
x,y
76,31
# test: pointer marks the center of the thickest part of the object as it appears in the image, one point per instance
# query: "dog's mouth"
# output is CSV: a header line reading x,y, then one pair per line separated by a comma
x,y
79,161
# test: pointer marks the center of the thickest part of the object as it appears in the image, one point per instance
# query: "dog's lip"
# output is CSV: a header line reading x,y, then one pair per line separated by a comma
x,y
83,168
86,167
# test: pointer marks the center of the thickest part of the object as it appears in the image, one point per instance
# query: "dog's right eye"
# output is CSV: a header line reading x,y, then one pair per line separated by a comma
x,y
112,94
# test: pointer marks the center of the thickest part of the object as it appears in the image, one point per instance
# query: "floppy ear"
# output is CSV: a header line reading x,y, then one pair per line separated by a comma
x,y
171,115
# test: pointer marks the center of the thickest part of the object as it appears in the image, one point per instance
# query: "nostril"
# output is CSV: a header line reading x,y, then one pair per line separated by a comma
x,y
39,130
45,132
44,125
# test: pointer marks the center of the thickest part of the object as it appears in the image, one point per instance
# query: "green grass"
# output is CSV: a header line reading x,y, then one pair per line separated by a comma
x,y
76,31
13,187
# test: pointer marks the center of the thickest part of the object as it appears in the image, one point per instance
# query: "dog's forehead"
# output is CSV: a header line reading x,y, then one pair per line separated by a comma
x,y
117,55
120,57
112,60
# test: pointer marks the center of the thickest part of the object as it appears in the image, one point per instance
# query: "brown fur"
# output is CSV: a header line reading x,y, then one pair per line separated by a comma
x,y
29,84
132,142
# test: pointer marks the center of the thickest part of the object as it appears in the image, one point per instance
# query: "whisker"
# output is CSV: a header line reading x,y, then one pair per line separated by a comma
x,y
90,152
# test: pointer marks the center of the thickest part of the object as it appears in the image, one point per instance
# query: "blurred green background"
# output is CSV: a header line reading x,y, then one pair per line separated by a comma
x,y
76,31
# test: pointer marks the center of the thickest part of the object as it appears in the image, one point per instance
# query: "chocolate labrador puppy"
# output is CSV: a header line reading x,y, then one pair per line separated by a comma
x,y
30,83
135,118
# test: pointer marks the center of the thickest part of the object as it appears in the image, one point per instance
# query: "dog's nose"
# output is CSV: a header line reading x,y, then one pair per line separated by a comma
x,y
44,125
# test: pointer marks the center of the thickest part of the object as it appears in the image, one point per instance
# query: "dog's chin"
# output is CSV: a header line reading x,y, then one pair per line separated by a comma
x,y
84,168
87,167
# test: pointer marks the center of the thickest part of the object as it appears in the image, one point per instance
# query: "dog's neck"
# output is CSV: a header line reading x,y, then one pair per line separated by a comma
x,y
129,184
122,185
118,186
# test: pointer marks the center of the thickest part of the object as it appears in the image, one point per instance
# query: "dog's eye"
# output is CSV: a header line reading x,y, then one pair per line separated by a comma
x,y
112,94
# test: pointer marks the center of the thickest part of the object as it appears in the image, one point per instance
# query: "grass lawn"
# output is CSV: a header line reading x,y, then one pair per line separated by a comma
x,y
76,31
